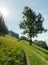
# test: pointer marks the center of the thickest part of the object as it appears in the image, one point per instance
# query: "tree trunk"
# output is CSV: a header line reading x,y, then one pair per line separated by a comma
x,y
30,36
30,41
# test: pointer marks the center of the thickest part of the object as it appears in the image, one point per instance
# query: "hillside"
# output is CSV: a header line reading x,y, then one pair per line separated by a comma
x,y
36,55
14,52
10,52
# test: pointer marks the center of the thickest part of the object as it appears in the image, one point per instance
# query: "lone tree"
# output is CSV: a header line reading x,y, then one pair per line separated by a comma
x,y
3,28
32,23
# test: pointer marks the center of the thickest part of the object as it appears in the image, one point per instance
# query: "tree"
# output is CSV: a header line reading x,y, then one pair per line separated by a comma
x,y
3,28
32,23
41,43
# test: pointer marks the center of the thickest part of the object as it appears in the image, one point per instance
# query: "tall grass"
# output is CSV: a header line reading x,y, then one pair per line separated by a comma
x,y
10,52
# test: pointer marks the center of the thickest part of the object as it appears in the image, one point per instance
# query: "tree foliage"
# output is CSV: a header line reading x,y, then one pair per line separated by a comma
x,y
32,23
41,43
3,28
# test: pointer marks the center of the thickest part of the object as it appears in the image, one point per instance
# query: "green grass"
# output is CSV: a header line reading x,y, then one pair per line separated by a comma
x,y
33,58
41,49
13,52
42,52
10,52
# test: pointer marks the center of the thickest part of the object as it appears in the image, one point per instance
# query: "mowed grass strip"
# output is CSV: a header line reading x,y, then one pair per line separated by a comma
x,y
33,58
40,51
10,52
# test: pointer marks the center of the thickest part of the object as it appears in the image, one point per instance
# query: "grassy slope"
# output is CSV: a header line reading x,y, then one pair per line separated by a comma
x,y
10,52
42,52
41,49
33,58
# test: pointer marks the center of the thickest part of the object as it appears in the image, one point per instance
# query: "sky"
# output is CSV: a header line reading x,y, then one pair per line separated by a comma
x,y
15,9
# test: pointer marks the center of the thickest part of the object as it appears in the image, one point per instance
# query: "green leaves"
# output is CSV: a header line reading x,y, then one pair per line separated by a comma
x,y
3,28
32,23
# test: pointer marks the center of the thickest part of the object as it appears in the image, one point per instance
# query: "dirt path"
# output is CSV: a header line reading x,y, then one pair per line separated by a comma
x,y
28,63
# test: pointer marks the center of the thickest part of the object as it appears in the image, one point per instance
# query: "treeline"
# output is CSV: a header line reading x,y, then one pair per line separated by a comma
x,y
3,27
16,35
41,43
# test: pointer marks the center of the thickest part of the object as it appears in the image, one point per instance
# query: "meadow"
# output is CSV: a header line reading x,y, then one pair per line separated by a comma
x,y
14,52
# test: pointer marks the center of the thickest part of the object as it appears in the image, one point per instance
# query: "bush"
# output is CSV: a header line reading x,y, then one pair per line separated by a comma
x,y
23,38
16,35
41,44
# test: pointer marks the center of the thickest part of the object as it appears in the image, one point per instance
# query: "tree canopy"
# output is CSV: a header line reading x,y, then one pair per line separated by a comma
x,y
32,23
3,28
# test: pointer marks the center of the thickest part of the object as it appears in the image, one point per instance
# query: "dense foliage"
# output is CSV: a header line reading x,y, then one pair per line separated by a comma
x,y
3,28
41,43
32,23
